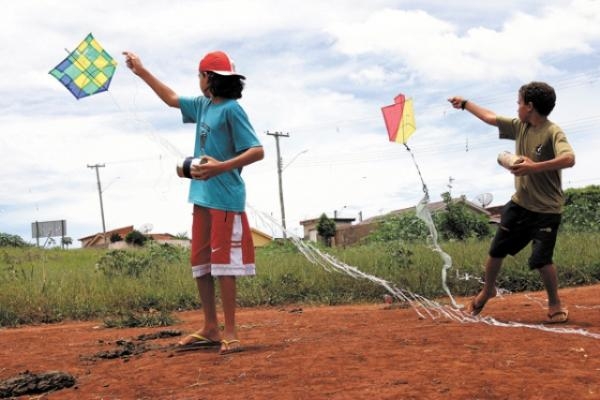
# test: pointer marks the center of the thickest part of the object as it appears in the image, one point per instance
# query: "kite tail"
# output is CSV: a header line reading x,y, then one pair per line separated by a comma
x,y
424,214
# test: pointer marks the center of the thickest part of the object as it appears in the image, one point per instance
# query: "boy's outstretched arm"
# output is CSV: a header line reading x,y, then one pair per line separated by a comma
x,y
487,116
165,93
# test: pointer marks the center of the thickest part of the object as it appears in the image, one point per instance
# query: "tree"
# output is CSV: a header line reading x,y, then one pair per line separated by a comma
x,y
458,222
136,238
582,213
8,240
66,241
326,229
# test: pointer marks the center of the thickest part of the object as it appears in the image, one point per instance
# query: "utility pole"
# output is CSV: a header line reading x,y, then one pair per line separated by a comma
x,y
96,166
277,135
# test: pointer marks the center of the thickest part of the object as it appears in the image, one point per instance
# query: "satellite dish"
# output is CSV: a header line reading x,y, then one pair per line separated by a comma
x,y
484,199
146,228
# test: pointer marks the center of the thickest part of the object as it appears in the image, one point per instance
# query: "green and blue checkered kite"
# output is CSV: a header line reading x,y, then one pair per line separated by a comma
x,y
87,70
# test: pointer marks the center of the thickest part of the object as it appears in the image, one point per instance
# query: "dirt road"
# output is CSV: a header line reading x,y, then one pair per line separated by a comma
x,y
345,352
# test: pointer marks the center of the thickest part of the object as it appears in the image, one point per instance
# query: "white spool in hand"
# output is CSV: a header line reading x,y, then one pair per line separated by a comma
x,y
508,159
184,166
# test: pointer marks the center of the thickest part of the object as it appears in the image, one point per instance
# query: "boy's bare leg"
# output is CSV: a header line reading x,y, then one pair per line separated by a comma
x,y
206,290
230,342
550,279
492,268
228,297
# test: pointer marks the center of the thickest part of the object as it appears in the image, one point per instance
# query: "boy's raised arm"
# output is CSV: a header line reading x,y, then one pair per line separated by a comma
x,y
487,116
164,92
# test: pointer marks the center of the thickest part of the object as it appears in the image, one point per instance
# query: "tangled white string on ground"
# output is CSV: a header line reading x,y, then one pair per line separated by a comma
x,y
421,305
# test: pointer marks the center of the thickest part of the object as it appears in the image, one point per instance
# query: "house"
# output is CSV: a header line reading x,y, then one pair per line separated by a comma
x,y
310,228
97,240
260,238
495,213
348,233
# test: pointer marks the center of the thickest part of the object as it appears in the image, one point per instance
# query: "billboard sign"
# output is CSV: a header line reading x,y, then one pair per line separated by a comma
x,y
46,229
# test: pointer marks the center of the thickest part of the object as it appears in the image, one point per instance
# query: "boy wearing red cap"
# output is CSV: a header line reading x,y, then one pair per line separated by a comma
x,y
225,142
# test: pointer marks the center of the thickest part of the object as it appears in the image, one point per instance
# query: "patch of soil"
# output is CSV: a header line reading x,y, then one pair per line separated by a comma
x,y
28,383
370,351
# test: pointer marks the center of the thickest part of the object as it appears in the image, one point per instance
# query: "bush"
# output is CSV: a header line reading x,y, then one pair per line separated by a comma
x,y
124,263
455,222
136,238
581,212
458,222
326,228
134,263
8,240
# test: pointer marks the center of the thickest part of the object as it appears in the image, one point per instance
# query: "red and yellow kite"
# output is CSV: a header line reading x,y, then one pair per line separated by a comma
x,y
399,119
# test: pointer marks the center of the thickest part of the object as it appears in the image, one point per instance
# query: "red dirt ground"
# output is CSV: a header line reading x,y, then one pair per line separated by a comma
x,y
344,352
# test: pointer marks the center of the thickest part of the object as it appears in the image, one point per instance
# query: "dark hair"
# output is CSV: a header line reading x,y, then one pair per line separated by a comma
x,y
227,87
541,95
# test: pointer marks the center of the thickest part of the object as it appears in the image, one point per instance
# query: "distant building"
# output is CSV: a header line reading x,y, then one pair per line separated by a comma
x,y
97,240
311,233
260,238
348,233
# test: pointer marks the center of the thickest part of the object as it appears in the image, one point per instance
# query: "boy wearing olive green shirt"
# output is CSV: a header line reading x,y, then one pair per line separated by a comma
x,y
533,213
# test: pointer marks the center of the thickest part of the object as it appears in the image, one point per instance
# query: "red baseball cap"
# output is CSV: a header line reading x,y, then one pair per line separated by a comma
x,y
219,63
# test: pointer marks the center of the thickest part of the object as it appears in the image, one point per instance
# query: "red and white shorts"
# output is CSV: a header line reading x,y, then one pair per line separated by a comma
x,y
221,243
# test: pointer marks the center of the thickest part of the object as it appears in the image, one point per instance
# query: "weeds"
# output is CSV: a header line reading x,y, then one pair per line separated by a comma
x,y
120,287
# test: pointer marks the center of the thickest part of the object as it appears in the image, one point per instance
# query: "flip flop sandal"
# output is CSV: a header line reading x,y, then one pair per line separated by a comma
x,y
227,348
198,341
558,317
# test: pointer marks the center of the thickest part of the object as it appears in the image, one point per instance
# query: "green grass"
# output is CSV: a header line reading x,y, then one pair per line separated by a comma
x,y
40,286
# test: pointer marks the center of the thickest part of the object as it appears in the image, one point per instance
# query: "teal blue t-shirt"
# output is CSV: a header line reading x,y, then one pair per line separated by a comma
x,y
222,131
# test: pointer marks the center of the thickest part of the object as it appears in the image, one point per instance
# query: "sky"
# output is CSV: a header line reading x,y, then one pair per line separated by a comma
x,y
317,71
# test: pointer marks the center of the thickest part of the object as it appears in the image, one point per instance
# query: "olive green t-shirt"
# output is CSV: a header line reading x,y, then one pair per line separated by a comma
x,y
540,192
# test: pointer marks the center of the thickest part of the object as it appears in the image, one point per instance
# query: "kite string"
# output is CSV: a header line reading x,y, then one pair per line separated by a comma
x,y
424,214
420,305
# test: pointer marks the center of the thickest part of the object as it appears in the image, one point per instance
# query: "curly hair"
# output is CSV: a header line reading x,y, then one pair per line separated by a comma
x,y
228,87
541,95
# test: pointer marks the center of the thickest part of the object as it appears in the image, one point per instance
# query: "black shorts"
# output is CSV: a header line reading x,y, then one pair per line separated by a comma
x,y
518,227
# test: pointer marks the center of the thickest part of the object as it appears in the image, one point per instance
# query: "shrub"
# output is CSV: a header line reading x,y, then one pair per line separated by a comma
x,y
458,222
136,262
326,228
8,240
455,222
136,238
581,212
124,263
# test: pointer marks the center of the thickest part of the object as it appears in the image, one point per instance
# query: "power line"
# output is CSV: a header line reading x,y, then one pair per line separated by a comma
x,y
574,80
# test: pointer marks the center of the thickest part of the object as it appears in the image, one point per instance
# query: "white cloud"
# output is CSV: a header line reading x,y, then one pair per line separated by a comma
x,y
318,70
435,49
